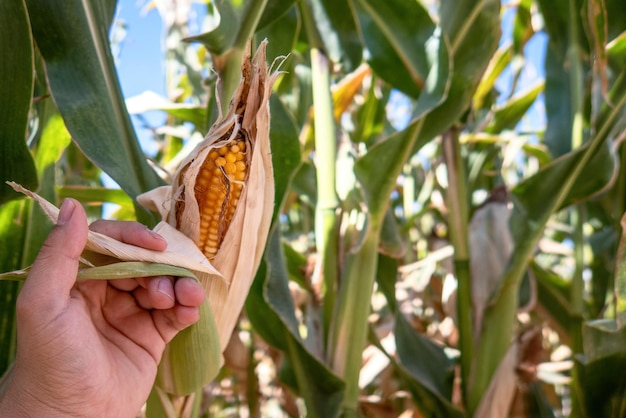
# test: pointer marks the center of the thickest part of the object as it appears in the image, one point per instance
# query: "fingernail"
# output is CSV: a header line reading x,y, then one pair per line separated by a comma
x,y
195,283
66,212
155,235
164,287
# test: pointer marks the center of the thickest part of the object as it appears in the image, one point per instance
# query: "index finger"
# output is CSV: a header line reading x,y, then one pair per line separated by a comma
x,y
129,232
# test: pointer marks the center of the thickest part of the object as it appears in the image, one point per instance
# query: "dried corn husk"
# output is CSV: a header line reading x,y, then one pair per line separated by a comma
x,y
243,244
181,251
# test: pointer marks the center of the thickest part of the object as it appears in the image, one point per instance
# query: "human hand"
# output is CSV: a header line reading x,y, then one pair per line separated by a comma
x,y
92,348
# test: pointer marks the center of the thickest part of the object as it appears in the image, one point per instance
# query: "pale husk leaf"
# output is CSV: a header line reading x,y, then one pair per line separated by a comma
x,y
243,245
242,249
489,232
184,368
181,251
496,402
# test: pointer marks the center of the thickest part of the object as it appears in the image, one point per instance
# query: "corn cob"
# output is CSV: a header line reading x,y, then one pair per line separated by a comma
x,y
217,190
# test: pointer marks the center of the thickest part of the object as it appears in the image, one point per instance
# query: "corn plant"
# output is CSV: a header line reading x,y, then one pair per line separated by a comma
x,y
435,247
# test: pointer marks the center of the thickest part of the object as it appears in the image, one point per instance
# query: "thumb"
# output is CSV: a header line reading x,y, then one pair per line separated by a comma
x,y
52,276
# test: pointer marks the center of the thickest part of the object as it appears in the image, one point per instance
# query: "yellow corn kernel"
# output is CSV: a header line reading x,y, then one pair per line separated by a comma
x,y
218,189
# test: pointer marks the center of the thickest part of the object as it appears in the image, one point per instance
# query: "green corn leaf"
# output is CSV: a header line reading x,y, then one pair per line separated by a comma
x,y
16,85
533,207
616,50
472,28
500,60
269,305
395,33
96,195
271,310
522,28
12,240
601,390
337,29
222,38
558,92
72,38
285,151
115,271
274,10
193,358
510,113
132,269
431,373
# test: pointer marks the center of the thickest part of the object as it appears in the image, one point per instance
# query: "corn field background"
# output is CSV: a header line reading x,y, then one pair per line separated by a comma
x,y
447,236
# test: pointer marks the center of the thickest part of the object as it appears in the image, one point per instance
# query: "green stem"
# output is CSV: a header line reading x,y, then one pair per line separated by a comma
x,y
326,220
348,332
576,78
458,204
576,291
249,23
231,70
577,287
350,335
408,192
577,305
230,77
308,24
576,88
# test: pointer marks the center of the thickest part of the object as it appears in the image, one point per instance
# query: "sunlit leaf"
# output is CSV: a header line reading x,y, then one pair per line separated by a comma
x,y
344,92
390,155
616,50
96,195
472,42
370,118
500,60
510,113
522,27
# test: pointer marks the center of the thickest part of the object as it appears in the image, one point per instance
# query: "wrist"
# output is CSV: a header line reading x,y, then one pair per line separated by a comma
x,y
17,401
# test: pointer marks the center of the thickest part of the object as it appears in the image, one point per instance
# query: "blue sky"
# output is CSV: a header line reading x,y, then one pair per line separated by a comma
x,y
140,59
140,62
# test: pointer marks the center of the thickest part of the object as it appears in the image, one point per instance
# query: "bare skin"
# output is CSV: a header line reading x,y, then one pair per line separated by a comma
x,y
92,348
